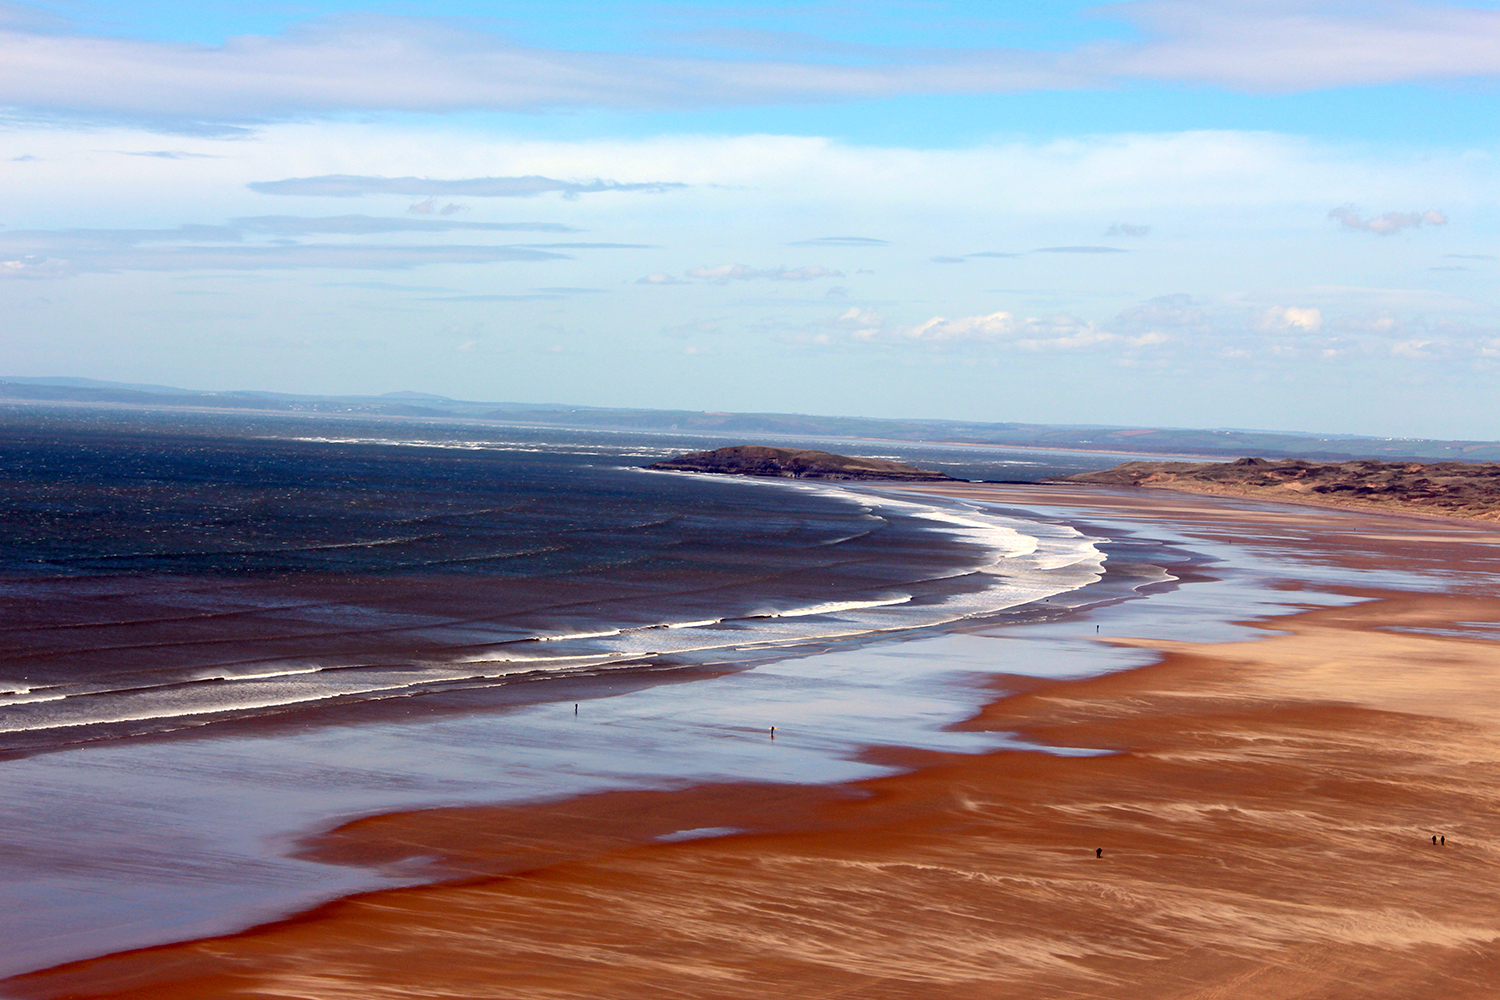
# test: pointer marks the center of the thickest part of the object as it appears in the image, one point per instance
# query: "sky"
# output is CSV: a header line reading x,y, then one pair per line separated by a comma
x,y
1266,214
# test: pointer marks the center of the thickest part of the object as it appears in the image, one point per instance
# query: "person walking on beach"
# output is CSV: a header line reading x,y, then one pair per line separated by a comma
x,y
1098,852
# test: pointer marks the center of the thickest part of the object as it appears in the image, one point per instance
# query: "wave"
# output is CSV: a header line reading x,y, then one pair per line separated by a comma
x,y
834,607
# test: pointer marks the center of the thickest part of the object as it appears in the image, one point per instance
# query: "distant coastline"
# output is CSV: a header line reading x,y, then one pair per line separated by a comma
x,y
1164,441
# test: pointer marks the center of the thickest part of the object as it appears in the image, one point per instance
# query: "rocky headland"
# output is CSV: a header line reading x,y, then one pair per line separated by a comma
x,y
795,463
1454,489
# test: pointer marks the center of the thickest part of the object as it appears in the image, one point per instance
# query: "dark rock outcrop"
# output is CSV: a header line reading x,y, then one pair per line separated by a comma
x,y
795,463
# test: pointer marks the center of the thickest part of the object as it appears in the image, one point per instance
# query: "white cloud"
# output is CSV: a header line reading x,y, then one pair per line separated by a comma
x,y
659,278
991,327
863,324
1415,349
1390,222
34,267
1291,319
1061,332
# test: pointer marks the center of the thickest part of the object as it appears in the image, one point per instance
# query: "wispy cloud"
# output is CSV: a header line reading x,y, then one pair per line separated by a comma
x,y
1083,249
230,247
429,205
523,297
1001,254
369,62
1287,45
846,241
590,246
124,256
33,240
1390,222
1128,229
354,186
361,225
725,273
168,154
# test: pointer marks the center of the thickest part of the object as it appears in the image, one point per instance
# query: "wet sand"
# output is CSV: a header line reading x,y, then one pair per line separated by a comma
x,y
1265,813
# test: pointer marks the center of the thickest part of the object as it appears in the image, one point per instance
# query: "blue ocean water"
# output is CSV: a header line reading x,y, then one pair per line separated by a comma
x,y
161,572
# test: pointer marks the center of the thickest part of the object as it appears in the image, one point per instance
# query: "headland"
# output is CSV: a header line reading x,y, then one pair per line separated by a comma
x,y
796,463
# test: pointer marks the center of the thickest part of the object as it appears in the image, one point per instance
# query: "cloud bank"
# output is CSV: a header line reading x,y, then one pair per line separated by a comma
x,y
353,186
57,253
410,64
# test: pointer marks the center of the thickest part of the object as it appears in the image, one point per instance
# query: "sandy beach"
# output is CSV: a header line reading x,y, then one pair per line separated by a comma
x,y
1258,824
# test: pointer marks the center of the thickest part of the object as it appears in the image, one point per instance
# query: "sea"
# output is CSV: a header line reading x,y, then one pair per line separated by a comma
x,y
161,573
225,633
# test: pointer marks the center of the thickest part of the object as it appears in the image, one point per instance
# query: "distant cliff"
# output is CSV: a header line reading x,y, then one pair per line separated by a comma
x,y
1457,489
794,463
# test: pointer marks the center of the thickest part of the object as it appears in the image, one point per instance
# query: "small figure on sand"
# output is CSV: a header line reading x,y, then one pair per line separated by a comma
x,y
1443,840
575,709
1098,852
773,732
1434,838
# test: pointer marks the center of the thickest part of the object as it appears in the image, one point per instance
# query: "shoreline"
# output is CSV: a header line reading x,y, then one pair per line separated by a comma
x,y
976,870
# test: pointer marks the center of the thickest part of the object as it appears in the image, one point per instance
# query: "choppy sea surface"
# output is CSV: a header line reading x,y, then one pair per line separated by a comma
x,y
155,577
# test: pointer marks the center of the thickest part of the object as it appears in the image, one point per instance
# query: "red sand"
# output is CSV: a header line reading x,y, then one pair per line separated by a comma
x,y
1265,825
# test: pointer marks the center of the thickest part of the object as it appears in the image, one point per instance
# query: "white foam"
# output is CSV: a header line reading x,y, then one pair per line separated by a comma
x,y
261,676
575,635
833,607
17,699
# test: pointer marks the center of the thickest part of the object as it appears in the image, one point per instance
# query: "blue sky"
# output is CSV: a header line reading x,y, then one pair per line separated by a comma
x,y
1249,213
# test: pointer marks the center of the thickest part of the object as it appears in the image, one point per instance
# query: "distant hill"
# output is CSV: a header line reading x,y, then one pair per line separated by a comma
x,y
1134,440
